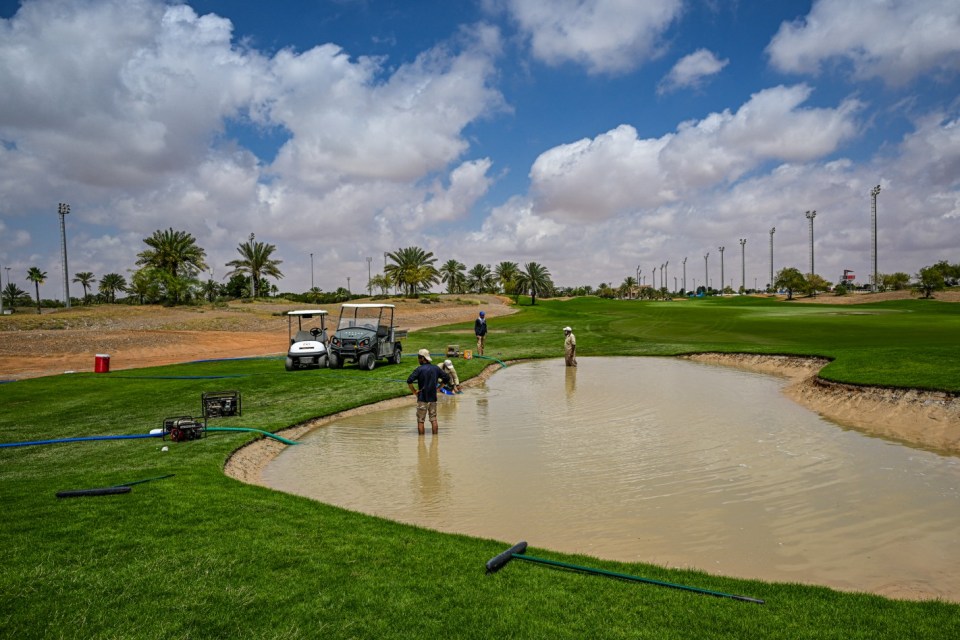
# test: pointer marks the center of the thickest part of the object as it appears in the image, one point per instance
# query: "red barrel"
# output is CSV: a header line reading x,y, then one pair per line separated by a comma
x,y
102,363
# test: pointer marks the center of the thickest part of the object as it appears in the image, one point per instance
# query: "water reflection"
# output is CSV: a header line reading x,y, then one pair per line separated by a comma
x,y
655,460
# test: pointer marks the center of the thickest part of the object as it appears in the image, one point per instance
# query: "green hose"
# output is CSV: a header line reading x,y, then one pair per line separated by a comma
x,y
266,433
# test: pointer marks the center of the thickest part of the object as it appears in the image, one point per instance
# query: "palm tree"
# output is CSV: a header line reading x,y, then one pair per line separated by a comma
x,y
12,294
381,282
452,274
412,269
85,278
37,277
533,279
506,274
480,279
256,262
145,283
110,284
176,255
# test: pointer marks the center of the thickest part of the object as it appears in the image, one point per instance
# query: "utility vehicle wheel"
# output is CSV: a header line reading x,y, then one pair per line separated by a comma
x,y
397,354
333,361
289,364
368,361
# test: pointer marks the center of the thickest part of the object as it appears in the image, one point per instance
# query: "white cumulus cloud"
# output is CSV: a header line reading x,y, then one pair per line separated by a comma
x,y
895,40
605,36
691,71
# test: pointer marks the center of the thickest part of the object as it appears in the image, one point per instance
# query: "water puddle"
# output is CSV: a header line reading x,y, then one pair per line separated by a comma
x,y
655,460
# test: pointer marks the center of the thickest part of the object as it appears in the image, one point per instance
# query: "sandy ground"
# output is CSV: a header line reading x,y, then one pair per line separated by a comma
x,y
34,345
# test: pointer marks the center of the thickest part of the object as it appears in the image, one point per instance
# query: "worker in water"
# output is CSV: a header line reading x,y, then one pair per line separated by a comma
x,y
480,329
426,376
447,367
569,347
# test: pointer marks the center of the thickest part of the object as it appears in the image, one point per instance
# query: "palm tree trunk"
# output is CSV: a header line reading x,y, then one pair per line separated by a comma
x,y
37,287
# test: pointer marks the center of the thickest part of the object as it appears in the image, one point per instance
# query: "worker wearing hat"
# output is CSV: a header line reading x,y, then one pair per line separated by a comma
x,y
426,376
480,329
569,347
447,368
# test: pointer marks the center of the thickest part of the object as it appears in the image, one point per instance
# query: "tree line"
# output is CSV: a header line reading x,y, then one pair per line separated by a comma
x,y
169,269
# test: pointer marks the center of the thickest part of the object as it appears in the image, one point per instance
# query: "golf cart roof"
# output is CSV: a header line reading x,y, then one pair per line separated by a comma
x,y
367,305
307,313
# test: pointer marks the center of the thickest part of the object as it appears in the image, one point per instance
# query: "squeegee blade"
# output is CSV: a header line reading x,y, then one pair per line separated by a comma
x,y
497,562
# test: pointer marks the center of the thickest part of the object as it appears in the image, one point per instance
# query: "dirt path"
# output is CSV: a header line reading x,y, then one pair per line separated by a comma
x,y
69,340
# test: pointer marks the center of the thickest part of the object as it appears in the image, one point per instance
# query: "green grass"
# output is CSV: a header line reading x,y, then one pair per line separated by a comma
x,y
200,555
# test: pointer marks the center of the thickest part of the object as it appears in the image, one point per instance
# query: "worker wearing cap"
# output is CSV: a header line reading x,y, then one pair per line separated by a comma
x,y
426,376
447,368
480,329
569,347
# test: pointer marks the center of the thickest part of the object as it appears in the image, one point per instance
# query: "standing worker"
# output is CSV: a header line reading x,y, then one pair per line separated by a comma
x,y
480,328
569,347
426,376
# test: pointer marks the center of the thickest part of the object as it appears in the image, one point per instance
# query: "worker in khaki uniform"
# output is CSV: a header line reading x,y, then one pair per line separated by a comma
x,y
569,347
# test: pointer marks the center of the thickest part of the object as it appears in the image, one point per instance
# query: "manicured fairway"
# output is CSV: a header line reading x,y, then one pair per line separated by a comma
x,y
199,555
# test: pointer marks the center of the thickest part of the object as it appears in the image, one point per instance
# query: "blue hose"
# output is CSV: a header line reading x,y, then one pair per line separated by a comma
x,y
83,439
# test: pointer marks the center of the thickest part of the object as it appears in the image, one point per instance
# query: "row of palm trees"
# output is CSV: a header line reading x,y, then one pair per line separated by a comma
x,y
412,270
170,265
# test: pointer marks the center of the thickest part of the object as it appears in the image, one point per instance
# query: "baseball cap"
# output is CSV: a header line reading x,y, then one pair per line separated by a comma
x,y
425,354
448,363
567,329
482,313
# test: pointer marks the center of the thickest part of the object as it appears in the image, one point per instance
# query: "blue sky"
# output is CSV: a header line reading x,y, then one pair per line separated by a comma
x,y
593,136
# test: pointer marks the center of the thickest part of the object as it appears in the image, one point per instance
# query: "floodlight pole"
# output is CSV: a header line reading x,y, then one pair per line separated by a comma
x,y
810,216
369,286
63,210
876,275
706,274
311,272
685,275
666,272
1,293
772,231
638,281
743,265
721,268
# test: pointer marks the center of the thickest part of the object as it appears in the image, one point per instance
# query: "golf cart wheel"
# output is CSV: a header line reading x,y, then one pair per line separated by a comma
x,y
333,361
397,354
368,361
289,364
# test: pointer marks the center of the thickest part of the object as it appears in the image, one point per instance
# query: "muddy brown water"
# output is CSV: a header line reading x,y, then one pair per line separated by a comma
x,y
653,460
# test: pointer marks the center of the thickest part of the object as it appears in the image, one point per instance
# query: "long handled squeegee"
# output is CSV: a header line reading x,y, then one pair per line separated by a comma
x,y
516,552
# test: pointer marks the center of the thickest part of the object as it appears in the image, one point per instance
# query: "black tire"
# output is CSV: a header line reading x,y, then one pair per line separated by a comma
x,y
368,361
333,361
289,364
397,355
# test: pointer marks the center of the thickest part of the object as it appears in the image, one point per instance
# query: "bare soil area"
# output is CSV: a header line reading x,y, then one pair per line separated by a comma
x,y
952,295
34,345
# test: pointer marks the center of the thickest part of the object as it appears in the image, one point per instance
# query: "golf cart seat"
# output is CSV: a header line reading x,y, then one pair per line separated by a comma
x,y
383,332
303,336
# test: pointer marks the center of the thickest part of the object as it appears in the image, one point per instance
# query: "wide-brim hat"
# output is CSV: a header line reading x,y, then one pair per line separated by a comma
x,y
425,354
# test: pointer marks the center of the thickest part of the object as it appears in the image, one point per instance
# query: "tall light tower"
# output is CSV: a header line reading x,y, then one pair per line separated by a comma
x,y
1,293
684,275
311,272
638,281
666,270
706,272
369,286
721,268
348,284
63,210
772,231
810,216
253,281
873,213
743,265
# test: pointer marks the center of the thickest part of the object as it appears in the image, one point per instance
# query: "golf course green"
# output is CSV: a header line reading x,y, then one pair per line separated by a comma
x,y
201,555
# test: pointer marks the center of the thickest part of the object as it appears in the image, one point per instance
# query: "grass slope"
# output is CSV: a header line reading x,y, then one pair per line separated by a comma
x,y
200,555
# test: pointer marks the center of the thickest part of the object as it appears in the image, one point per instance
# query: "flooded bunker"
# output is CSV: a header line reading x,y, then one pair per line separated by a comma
x,y
655,460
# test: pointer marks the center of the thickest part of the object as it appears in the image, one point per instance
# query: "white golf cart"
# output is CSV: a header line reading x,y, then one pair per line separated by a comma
x,y
308,347
365,334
